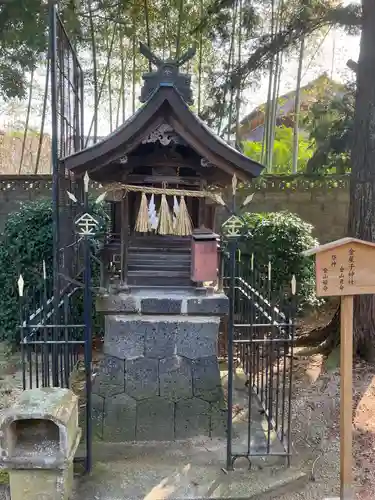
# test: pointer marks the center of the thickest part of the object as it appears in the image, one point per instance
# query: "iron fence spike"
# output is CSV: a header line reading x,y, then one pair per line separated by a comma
x,y
101,198
248,199
21,284
71,197
86,181
294,284
234,184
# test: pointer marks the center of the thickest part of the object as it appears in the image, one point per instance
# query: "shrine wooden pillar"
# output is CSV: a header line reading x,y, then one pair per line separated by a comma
x,y
202,207
124,238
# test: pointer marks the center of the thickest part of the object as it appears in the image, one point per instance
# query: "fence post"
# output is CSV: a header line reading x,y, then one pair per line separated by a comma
x,y
88,332
232,277
21,284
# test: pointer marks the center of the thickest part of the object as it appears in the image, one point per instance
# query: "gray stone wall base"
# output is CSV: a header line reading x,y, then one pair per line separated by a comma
x,y
159,379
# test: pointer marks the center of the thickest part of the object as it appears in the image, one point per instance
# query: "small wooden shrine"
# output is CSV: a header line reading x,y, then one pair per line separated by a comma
x,y
160,169
162,172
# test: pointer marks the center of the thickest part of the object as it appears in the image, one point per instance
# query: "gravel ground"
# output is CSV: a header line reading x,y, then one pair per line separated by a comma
x,y
316,432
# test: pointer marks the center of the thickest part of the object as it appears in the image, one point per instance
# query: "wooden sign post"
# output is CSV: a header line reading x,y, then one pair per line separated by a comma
x,y
345,268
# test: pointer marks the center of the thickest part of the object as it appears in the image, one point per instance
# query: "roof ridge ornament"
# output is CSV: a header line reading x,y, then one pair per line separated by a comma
x,y
165,134
167,73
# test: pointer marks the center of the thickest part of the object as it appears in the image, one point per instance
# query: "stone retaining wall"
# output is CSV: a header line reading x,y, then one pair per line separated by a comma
x,y
322,201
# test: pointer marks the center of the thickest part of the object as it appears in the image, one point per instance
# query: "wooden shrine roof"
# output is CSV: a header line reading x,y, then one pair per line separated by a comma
x,y
165,105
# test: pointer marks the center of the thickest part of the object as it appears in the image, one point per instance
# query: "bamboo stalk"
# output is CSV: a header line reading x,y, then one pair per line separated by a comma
x,y
239,87
134,68
297,109
27,120
200,61
41,135
148,31
228,80
94,119
95,69
109,75
178,39
230,114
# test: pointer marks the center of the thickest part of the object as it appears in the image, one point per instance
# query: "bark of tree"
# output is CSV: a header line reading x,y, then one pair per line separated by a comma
x,y
362,185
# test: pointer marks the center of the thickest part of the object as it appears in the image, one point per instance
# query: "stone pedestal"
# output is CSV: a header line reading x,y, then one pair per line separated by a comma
x,y
159,379
41,484
39,438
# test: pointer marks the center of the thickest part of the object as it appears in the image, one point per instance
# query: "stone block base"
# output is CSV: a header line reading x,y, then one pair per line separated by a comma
x,y
157,419
41,484
159,379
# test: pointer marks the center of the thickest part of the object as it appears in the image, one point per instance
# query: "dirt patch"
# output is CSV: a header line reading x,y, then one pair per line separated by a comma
x,y
316,428
316,419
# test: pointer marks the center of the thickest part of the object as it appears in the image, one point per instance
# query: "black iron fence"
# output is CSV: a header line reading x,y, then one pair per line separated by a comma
x,y
56,337
261,346
51,342
68,79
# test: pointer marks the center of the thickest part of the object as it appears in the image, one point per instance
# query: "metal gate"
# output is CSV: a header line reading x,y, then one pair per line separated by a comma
x,y
56,337
260,350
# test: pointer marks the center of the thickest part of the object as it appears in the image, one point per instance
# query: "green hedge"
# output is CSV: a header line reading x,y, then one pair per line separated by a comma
x,y
27,241
281,238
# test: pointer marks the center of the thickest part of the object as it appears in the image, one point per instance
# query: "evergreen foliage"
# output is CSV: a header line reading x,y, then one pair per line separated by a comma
x,y
25,243
281,238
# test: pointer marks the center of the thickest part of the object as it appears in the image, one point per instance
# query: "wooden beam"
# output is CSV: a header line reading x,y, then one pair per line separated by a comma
x,y
154,179
202,208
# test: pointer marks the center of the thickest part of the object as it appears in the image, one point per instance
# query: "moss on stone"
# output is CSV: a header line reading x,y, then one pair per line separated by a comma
x,y
4,477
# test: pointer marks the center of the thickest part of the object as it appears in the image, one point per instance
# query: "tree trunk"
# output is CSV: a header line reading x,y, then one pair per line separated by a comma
x,y
362,185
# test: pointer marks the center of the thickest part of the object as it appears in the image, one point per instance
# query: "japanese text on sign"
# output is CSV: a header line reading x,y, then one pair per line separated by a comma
x,y
342,277
325,279
351,273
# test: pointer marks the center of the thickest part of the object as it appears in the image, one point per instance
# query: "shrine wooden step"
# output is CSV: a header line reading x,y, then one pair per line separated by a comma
x,y
164,266
158,257
165,250
161,240
155,272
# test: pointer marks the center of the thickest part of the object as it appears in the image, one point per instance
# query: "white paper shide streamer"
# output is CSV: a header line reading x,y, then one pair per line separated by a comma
x,y
176,209
152,214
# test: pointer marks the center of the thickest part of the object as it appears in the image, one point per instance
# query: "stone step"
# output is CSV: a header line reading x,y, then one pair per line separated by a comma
x,y
167,290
